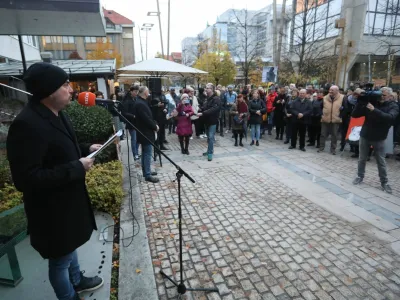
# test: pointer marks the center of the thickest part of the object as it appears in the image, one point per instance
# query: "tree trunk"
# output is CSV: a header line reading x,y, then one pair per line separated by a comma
x,y
283,17
294,4
274,37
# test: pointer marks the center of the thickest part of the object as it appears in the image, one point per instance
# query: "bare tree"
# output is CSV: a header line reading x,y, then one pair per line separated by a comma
x,y
281,32
311,34
245,32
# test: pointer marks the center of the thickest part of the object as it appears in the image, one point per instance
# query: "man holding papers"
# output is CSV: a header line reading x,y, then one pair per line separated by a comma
x,y
48,166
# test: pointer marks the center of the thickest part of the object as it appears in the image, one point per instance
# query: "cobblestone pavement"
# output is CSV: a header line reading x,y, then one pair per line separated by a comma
x,y
253,237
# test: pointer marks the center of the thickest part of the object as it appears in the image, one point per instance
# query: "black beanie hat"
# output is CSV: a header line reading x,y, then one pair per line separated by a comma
x,y
43,79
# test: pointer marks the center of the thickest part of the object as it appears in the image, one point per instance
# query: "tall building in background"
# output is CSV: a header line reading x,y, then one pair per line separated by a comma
x,y
120,37
229,29
10,51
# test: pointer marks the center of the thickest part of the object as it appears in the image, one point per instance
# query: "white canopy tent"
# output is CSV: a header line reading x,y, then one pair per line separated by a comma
x,y
158,67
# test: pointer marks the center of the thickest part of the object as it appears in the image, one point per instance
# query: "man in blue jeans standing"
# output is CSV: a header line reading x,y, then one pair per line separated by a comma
x,y
148,127
49,167
209,115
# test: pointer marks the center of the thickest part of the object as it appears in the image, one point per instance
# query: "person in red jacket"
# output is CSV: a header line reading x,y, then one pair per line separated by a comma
x,y
270,109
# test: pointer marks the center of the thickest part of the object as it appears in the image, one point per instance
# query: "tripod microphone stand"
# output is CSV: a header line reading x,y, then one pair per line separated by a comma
x,y
181,287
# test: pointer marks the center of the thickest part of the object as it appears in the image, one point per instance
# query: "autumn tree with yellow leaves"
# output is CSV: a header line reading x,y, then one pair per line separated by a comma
x,y
105,51
219,65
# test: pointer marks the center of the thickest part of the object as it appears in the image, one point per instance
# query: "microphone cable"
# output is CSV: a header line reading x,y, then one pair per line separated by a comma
x,y
134,219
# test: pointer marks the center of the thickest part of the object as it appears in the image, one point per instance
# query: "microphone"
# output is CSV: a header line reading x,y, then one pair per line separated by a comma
x,y
89,99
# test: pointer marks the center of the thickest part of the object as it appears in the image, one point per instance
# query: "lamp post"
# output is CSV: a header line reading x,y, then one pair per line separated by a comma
x,y
147,29
157,14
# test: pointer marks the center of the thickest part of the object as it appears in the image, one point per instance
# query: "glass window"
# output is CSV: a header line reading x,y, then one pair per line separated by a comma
x,y
335,7
330,28
320,29
379,23
68,39
397,26
47,40
389,25
311,15
34,43
369,23
382,5
372,5
90,39
298,34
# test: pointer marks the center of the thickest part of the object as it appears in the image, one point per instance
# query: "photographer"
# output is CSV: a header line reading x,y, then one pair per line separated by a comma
x,y
380,113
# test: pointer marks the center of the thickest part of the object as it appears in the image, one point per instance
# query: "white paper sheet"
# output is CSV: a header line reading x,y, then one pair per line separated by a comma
x,y
110,140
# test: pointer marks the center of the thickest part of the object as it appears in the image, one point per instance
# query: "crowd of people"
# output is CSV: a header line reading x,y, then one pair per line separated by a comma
x,y
303,117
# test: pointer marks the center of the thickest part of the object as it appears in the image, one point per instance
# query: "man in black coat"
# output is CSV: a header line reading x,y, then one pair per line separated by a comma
x,y
209,115
128,104
49,167
147,126
378,121
301,110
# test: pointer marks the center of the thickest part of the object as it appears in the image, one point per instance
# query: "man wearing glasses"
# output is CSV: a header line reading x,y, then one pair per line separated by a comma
x,y
378,121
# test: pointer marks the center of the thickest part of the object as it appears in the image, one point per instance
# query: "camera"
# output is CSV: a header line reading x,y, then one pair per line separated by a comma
x,y
370,95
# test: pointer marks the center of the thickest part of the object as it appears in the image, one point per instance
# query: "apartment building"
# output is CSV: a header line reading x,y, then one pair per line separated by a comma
x,y
120,38
10,51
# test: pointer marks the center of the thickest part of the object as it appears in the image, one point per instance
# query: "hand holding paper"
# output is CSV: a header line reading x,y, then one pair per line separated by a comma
x,y
102,147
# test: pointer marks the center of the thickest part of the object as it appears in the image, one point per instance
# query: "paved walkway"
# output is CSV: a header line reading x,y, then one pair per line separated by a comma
x,y
271,223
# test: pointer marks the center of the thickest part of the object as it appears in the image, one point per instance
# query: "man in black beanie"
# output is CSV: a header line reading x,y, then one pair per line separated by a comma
x,y
49,166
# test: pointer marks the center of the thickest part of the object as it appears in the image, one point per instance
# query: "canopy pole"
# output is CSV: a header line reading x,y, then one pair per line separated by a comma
x,y
21,47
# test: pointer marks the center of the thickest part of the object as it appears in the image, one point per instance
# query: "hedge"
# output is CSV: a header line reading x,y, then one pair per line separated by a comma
x,y
104,184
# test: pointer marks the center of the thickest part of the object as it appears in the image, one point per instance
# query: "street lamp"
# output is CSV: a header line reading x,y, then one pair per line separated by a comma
x,y
157,14
147,29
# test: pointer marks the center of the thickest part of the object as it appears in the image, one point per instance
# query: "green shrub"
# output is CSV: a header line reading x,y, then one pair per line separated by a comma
x,y
9,197
104,183
5,173
93,125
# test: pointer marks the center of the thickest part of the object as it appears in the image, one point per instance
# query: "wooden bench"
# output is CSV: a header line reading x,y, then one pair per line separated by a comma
x,y
12,231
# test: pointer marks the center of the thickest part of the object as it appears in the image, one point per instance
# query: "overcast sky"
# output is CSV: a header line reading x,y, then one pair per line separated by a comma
x,y
188,18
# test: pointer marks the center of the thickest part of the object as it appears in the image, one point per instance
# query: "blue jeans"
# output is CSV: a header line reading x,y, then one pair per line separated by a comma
x,y
134,143
147,152
211,138
64,272
255,132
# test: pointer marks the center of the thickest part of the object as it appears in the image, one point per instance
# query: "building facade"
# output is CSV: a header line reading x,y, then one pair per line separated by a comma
x,y
120,38
10,51
371,37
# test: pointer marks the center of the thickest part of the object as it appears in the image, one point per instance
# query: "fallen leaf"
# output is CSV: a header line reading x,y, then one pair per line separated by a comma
x,y
349,280
187,246
160,256
138,271
172,235
157,263
321,267
227,238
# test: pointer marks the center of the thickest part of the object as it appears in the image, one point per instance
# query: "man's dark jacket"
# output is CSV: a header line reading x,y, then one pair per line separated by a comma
x,y
128,106
304,107
144,121
44,159
211,110
377,122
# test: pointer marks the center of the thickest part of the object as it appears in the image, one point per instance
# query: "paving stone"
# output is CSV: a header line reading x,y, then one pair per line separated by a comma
x,y
270,245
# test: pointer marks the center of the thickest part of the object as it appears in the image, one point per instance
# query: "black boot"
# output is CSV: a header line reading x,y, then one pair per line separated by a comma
x,y
187,139
277,137
181,143
236,142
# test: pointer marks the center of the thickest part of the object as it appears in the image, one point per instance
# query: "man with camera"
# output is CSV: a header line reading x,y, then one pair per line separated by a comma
x,y
380,113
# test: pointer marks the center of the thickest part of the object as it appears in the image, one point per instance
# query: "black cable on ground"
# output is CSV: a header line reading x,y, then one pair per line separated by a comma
x,y
134,220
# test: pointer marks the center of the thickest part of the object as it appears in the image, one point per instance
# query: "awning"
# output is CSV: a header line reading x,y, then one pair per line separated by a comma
x,y
52,17
158,67
77,69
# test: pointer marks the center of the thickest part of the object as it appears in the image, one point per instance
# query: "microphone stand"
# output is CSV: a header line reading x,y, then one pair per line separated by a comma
x,y
181,287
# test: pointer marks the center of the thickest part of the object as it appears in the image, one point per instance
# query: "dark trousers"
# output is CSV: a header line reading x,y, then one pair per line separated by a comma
x,y
343,131
171,125
161,133
315,130
199,127
288,130
280,130
299,128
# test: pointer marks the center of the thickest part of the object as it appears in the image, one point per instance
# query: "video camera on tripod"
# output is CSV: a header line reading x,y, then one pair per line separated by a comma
x,y
370,95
